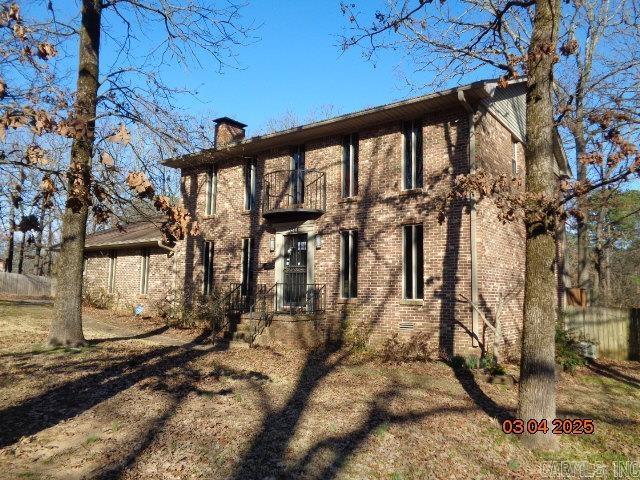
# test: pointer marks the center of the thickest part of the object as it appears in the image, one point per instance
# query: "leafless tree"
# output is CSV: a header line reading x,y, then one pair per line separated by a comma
x,y
110,104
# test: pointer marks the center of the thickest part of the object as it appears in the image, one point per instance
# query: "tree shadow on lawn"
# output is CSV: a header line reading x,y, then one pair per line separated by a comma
x,y
139,336
74,397
610,372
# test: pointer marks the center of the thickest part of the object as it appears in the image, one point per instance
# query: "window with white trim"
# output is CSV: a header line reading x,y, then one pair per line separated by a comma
x,y
144,271
413,261
250,184
350,165
412,155
207,267
212,190
514,157
113,258
349,263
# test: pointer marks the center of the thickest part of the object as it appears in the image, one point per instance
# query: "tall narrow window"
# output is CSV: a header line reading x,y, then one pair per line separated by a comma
x,y
113,257
297,174
349,263
207,266
247,246
212,190
250,184
350,165
514,158
412,155
413,261
144,271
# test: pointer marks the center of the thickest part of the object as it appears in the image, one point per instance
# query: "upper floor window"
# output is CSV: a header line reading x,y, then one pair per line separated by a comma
x,y
412,155
350,165
297,174
514,157
349,263
413,261
144,271
207,267
212,190
250,184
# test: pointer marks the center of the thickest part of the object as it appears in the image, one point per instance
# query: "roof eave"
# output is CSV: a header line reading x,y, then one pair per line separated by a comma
x,y
122,245
333,126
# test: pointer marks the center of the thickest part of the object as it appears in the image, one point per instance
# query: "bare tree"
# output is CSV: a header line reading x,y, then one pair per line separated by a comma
x,y
96,121
514,37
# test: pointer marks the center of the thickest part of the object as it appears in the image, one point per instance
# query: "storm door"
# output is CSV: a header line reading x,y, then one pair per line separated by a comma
x,y
295,271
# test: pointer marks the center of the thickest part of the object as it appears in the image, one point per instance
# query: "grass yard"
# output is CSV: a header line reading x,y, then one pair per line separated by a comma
x,y
133,408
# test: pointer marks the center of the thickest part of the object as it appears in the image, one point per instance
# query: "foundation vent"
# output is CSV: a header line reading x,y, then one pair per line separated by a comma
x,y
406,325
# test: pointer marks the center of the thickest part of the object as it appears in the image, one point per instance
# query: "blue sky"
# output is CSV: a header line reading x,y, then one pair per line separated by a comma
x,y
295,65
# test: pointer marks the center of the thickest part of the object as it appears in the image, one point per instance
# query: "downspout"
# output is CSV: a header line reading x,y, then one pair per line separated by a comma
x,y
475,323
168,249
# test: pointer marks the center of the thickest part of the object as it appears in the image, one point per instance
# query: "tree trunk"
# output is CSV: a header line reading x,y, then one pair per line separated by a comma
x,y
21,254
537,395
8,266
582,227
66,326
49,245
38,261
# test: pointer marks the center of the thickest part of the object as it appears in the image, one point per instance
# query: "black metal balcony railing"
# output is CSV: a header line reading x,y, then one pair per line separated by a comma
x,y
290,299
294,190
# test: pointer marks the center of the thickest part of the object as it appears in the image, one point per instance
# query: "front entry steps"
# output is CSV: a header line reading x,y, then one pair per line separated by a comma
x,y
284,330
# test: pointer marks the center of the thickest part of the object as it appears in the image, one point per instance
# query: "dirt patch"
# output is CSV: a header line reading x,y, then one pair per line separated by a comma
x,y
132,409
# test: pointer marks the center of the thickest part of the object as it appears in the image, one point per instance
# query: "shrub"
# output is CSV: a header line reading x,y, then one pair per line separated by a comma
x,y
97,297
416,349
568,352
204,311
356,337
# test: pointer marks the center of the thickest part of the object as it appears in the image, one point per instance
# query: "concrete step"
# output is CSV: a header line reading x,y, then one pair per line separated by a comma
x,y
225,344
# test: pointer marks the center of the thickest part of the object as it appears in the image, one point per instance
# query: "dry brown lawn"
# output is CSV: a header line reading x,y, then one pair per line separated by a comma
x,y
145,408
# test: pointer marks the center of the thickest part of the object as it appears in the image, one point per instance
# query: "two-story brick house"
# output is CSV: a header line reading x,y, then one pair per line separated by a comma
x,y
333,223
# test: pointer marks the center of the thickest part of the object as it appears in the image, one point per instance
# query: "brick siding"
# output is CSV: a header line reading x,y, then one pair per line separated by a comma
x,y
126,292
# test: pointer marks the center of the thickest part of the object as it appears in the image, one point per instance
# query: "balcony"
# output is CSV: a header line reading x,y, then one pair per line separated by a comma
x,y
294,194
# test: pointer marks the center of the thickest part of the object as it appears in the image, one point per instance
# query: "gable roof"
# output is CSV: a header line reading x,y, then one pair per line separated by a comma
x,y
139,234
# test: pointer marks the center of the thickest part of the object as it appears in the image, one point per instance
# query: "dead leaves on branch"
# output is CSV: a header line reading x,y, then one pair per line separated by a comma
x,y
36,155
121,135
514,204
41,122
10,18
107,160
139,182
178,223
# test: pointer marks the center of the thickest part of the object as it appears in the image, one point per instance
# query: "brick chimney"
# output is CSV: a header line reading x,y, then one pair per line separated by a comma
x,y
228,131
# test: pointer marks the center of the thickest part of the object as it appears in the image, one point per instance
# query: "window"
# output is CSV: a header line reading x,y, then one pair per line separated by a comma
x,y
412,155
350,166
144,271
113,257
349,263
514,158
250,184
247,247
413,262
207,266
297,174
212,190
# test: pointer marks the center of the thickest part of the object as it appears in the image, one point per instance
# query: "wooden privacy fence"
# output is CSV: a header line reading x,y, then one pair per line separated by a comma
x,y
27,285
615,330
